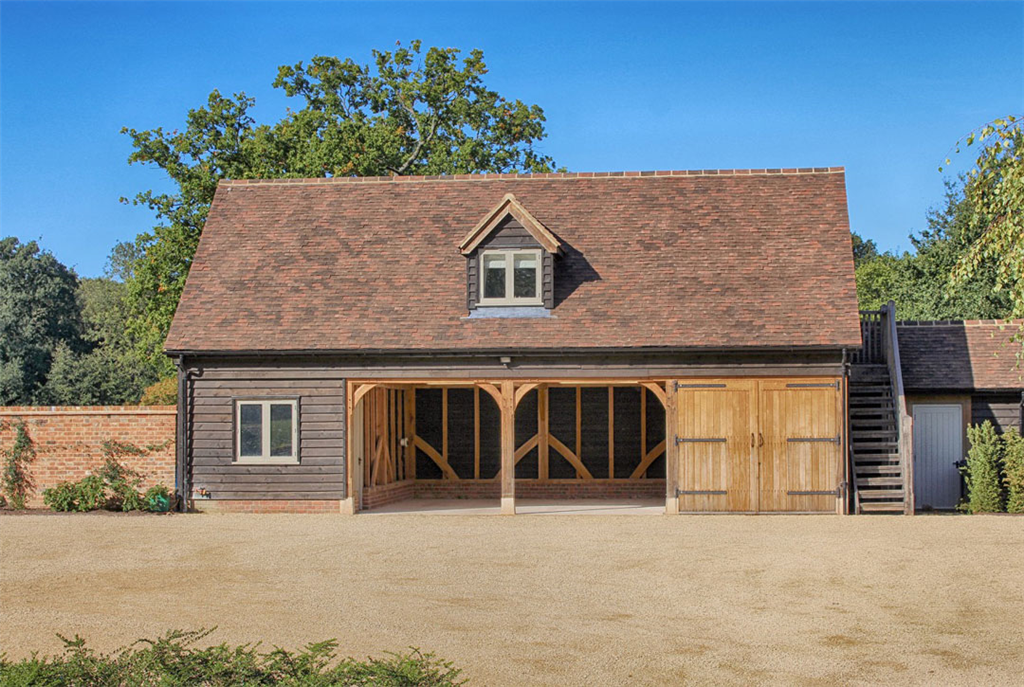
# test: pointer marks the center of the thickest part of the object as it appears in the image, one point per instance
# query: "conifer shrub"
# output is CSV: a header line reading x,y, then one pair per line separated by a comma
x,y
1013,470
984,488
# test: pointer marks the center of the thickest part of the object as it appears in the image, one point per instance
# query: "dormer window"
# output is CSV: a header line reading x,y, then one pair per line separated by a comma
x,y
510,278
510,262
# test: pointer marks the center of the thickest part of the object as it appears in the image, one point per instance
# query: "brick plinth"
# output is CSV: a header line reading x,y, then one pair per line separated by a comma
x,y
534,489
266,506
389,493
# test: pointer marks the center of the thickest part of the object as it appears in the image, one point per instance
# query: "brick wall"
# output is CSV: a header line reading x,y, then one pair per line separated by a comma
x,y
69,441
267,506
535,489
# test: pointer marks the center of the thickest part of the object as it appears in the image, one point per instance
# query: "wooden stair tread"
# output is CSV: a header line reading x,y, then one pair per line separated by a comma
x,y
894,507
880,481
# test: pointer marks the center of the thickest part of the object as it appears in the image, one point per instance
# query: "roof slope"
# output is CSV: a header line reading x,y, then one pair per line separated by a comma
x,y
961,355
669,259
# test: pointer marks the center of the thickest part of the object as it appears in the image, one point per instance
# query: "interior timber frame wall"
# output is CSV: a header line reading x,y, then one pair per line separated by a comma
x,y
572,441
560,438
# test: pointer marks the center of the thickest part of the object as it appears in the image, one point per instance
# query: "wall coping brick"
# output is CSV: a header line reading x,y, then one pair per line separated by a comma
x,y
87,410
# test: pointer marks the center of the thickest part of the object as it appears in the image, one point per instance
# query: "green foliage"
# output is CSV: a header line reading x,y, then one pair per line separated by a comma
x,y
174,660
87,494
919,281
157,499
994,194
114,486
162,393
38,310
984,490
1013,470
16,482
408,112
863,249
103,376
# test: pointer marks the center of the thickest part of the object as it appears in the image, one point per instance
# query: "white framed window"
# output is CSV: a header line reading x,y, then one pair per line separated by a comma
x,y
266,431
510,277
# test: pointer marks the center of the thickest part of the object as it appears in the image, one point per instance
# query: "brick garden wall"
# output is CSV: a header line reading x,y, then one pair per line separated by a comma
x,y
69,441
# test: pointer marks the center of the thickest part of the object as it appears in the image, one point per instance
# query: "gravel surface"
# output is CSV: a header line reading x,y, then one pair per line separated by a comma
x,y
557,600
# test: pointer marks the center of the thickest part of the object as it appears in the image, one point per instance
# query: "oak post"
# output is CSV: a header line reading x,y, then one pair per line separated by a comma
x,y
508,448
671,449
543,429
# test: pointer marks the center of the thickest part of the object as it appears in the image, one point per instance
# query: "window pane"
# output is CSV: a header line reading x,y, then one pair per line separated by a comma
x,y
494,276
251,439
280,429
525,276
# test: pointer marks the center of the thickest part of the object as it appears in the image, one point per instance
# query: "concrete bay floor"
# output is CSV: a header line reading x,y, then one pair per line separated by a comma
x,y
558,600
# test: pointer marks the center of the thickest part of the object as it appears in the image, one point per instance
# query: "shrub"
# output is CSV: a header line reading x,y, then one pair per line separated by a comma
x,y
1013,467
62,498
84,495
984,491
163,393
157,499
173,661
122,481
15,482
114,486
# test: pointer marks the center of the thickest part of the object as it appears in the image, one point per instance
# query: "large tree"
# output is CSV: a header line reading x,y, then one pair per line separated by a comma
x,y
38,311
994,193
918,280
408,112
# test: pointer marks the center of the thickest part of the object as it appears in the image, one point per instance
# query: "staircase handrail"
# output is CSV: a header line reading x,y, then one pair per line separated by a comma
x,y
904,422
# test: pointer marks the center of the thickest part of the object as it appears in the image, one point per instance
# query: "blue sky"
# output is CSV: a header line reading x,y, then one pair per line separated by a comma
x,y
882,89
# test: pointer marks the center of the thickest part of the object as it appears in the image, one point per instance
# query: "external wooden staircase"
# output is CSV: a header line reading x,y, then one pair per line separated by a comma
x,y
881,452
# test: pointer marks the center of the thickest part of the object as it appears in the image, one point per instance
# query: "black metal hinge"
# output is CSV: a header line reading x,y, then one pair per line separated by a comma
x,y
820,385
681,440
680,385
681,492
834,492
816,440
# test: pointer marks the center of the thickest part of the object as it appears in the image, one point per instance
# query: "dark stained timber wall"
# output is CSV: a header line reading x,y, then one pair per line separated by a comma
x,y
320,473
1002,410
593,439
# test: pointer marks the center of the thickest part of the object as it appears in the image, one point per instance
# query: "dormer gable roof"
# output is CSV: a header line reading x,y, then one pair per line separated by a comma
x,y
510,207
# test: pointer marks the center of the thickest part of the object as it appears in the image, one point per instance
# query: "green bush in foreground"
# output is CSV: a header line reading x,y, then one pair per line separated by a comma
x,y
984,491
1013,467
172,661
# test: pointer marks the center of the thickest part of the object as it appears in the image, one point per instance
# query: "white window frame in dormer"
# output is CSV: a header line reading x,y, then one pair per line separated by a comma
x,y
510,258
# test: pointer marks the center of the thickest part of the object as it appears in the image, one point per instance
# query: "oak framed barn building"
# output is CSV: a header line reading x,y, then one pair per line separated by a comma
x,y
693,336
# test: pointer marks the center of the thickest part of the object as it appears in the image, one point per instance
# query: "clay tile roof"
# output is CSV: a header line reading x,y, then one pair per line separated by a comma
x,y
972,355
697,260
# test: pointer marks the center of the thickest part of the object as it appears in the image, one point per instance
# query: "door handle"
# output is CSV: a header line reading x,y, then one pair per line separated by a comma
x,y
760,440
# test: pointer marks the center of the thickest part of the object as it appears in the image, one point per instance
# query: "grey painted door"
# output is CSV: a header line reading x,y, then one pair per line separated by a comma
x,y
938,444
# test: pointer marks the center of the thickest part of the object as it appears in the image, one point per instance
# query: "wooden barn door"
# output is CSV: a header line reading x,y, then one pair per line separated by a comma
x,y
717,422
800,445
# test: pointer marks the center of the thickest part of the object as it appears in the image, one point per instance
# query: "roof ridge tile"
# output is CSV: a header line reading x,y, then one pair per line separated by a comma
x,y
493,176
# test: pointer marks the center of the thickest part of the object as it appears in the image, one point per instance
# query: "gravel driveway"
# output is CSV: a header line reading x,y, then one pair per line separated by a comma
x,y
557,600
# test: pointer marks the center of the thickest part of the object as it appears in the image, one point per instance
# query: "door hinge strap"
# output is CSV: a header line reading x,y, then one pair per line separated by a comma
x,y
834,492
683,492
819,385
681,440
817,440
680,385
